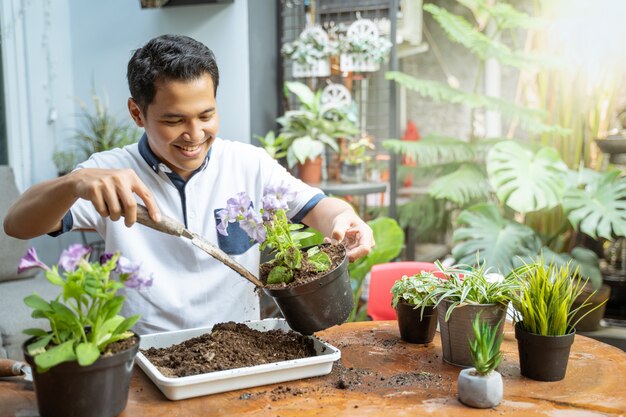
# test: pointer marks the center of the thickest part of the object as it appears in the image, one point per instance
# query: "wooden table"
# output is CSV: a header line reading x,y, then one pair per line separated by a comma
x,y
381,375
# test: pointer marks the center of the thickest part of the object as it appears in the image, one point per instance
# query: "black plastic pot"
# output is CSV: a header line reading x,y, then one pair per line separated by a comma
x,y
591,321
415,327
71,390
319,304
543,358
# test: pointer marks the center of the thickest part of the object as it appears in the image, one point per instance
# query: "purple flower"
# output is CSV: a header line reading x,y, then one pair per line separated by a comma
x,y
222,227
29,261
277,198
106,257
126,266
137,282
237,205
72,255
252,224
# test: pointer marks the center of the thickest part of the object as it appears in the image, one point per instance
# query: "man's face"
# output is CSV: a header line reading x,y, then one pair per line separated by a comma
x,y
181,122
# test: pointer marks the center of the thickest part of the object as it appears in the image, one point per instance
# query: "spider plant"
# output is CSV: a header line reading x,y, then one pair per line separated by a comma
x,y
485,348
544,302
471,285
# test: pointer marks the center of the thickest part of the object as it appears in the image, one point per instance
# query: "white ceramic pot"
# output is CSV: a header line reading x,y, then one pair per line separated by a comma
x,y
479,391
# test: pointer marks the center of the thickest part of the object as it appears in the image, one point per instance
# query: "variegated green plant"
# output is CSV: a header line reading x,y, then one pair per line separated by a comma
x,y
413,289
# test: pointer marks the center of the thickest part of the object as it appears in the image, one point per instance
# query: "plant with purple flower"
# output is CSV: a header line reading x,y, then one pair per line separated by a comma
x,y
84,318
271,228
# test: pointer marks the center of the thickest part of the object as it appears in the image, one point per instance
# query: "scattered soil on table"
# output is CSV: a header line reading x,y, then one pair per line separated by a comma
x,y
229,346
308,271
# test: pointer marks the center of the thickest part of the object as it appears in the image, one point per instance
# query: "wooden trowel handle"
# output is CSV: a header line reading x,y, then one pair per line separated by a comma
x,y
166,225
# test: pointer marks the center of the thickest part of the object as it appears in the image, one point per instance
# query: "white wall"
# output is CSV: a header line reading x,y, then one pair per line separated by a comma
x,y
104,34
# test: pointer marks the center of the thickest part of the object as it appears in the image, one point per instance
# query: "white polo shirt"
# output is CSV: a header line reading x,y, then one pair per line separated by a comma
x,y
190,288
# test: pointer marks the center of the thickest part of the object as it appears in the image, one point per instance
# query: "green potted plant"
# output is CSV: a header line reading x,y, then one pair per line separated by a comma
x,y
354,159
362,48
102,131
275,146
310,53
481,385
310,129
465,292
64,161
417,325
544,318
311,286
89,341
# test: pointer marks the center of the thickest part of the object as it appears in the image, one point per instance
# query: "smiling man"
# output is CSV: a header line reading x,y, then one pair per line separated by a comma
x,y
182,169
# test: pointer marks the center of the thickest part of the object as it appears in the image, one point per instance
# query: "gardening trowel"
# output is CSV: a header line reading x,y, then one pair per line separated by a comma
x,y
10,367
173,227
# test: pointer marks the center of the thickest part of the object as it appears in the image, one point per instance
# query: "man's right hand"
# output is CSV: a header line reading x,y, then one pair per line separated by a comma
x,y
112,193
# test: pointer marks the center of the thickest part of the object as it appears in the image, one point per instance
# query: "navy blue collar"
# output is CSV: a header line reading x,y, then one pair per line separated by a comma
x,y
157,165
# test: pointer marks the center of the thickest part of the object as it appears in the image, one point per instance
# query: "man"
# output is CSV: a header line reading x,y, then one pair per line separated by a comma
x,y
181,168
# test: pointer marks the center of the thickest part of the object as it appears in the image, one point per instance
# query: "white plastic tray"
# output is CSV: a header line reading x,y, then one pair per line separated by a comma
x,y
233,379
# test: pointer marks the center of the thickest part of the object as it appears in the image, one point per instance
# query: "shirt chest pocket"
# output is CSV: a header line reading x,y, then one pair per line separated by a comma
x,y
237,242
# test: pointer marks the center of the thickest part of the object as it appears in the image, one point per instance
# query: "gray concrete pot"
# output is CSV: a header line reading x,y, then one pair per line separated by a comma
x,y
479,391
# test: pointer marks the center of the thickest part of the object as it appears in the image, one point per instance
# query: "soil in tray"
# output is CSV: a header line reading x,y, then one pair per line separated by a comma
x,y
308,272
229,346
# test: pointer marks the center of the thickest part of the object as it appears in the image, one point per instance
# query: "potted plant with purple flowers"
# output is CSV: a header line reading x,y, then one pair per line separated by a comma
x,y
89,341
310,285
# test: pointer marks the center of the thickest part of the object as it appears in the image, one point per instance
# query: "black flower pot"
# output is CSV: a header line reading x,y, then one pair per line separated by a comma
x,y
71,390
319,304
543,358
415,327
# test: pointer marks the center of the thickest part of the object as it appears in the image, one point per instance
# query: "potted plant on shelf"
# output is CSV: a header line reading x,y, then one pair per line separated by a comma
x,y
354,159
481,386
363,49
417,325
464,293
310,53
310,129
275,146
544,325
82,366
311,286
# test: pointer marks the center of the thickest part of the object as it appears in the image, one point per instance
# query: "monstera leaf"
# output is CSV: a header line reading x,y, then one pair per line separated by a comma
x,y
485,236
598,209
524,180
463,186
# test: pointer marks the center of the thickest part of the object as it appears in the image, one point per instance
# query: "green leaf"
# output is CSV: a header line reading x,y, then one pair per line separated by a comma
x,y
599,209
87,353
35,332
531,119
524,180
302,91
39,345
34,301
280,274
319,259
127,324
389,238
463,186
56,355
54,278
315,239
432,150
495,240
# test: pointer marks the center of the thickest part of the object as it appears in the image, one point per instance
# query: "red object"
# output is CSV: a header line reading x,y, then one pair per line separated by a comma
x,y
412,134
382,278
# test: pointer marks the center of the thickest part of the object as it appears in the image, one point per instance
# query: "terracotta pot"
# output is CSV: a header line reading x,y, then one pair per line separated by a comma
x,y
311,171
591,321
479,391
543,358
416,327
456,332
71,390
319,304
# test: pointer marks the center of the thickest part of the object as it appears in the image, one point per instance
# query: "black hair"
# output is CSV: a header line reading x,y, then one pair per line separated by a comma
x,y
168,57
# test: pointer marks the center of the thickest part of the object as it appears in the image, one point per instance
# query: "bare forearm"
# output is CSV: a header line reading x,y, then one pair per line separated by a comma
x,y
40,209
324,213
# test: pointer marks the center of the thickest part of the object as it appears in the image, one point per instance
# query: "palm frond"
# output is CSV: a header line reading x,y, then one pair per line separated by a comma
x,y
461,31
432,150
425,215
462,187
530,119
505,15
